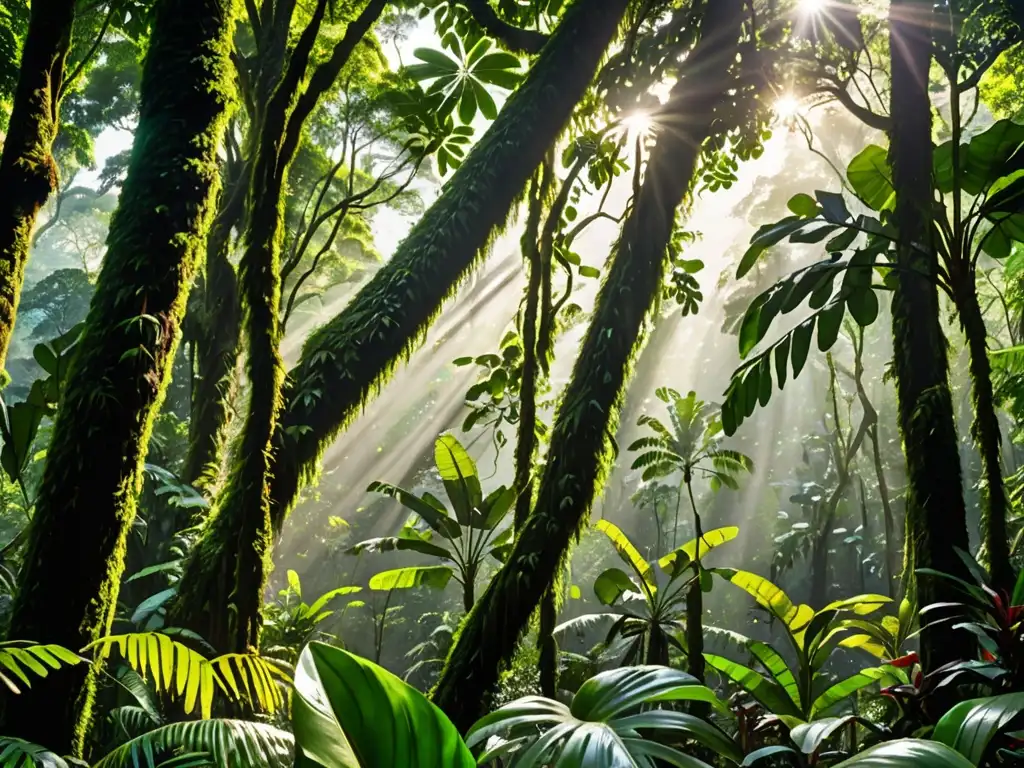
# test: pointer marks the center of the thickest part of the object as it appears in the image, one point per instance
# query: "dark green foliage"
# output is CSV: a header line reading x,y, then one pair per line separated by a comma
x,y
93,474
588,413
57,303
345,362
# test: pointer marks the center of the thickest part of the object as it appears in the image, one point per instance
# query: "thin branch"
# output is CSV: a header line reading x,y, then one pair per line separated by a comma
x,y
80,67
513,38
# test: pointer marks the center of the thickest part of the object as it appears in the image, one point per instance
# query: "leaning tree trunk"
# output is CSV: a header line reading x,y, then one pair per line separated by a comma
x,y
986,434
577,461
86,505
351,357
28,172
220,595
936,516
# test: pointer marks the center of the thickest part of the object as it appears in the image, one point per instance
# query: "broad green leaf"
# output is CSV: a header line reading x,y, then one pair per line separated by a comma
x,y
676,562
769,597
433,516
765,237
326,597
461,481
629,553
971,725
845,688
908,753
767,693
618,691
768,657
803,205
434,576
871,178
349,713
392,543
612,584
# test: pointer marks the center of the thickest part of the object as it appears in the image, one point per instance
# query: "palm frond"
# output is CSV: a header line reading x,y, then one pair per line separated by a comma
x,y
17,753
23,660
230,744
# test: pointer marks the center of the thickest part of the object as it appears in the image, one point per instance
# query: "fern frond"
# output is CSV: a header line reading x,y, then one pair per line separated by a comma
x,y
257,678
230,744
132,720
23,659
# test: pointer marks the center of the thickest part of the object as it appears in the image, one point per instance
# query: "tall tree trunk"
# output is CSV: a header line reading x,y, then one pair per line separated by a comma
x,y
588,415
217,348
28,172
221,592
936,516
120,372
986,434
351,357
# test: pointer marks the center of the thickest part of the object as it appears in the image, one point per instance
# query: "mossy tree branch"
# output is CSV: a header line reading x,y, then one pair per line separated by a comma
x,y
93,474
512,38
351,357
577,459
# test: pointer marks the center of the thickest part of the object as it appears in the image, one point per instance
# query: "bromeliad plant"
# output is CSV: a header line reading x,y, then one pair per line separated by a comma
x,y
470,530
800,693
651,616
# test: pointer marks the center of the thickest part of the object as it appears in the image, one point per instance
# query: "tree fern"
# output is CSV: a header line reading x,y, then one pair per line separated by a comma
x,y
228,743
183,673
22,660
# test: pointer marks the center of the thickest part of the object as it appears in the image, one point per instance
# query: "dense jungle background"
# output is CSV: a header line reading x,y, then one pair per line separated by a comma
x,y
579,383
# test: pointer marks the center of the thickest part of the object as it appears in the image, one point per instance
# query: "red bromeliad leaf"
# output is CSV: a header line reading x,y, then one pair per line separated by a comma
x,y
903,662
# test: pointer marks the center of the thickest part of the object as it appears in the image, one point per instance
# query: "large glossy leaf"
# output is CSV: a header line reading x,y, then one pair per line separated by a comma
x,y
971,725
434,576
319,604
349,713
809,737
495,507
769,596
987,155
612,584
392,543
768,657
845,688
765,237
616,691
768,693
871,178
433,516
908,753
681,724
629,553
678,561
460,477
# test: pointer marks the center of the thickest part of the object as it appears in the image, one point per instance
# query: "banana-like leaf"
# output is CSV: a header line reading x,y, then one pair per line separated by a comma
x,y
859,604
585,622
24,660
616,691
392,543
231,743
809,737
768,657
321,602
971,725
629,553
17,753
845,688
613,584
433,515
908,753
494,509
768,693
770,597
460,478
678,561
349,713
435,576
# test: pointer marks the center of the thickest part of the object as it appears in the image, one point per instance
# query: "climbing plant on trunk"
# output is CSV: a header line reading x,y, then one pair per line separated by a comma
x,y
577,458
93,473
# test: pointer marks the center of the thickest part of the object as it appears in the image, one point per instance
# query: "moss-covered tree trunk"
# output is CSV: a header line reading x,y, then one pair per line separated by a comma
x,y
936,516
350,358
216,358
28,172
221,592
588,415
987,434
86,505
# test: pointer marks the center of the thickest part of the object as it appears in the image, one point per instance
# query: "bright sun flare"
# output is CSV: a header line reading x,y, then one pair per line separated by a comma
x,y
787,107
812,6
637,124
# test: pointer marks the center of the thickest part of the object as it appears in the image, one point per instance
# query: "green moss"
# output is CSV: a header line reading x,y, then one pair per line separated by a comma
x,y
581,452
345,363
120,372
28,172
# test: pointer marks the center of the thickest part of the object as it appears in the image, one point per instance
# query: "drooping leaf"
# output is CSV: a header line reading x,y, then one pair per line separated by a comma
x,y
676,562
434,576
871,178
971,725
629,553
612,584
908,753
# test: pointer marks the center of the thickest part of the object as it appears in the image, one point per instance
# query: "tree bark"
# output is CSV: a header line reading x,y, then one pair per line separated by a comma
x,y
987,435
220,595
936,516
588,415
28,172
120,372
346,362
